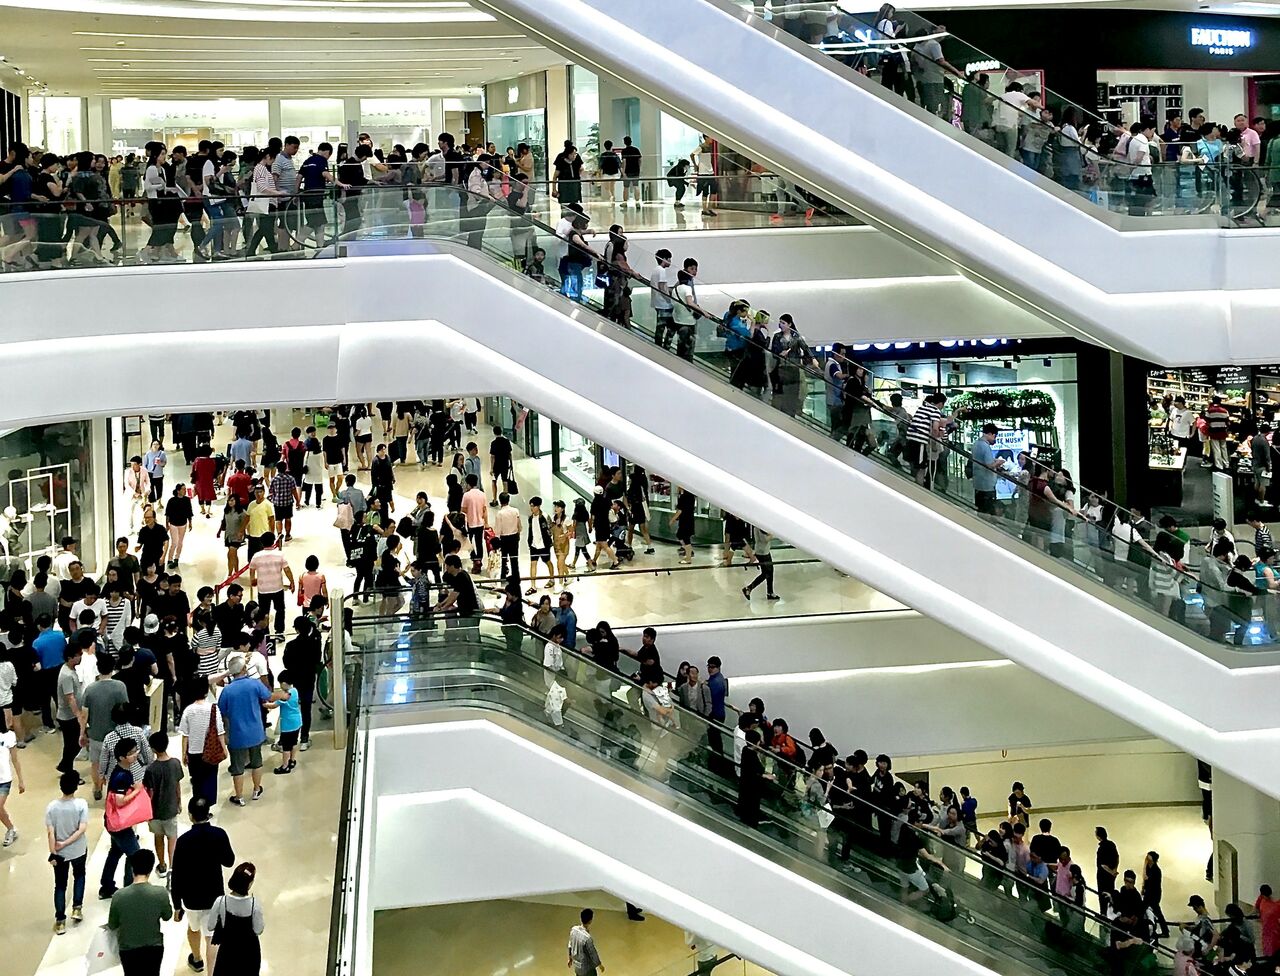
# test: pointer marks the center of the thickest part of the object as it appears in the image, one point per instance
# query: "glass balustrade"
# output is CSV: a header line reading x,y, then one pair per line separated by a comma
x,y
864,847
980,98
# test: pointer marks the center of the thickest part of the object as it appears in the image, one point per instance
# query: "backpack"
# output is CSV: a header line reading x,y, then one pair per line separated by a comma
x,y
942,905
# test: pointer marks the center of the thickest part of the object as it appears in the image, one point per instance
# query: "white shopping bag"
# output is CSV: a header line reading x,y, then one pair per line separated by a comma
x,y
104,951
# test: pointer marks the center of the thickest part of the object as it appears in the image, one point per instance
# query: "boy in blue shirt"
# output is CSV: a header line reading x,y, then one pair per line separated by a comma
x,y
289,726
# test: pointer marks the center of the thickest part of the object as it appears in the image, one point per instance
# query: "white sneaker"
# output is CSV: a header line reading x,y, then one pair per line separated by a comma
x,y
10,836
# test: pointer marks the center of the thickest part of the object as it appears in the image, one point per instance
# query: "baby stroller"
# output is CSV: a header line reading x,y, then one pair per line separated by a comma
x,y
618,541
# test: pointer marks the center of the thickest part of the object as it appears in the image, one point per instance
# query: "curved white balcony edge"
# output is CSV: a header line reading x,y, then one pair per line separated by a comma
x,y
893,164
480,328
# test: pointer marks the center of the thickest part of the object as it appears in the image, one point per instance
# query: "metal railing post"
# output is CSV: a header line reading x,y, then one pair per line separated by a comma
x,y
337,667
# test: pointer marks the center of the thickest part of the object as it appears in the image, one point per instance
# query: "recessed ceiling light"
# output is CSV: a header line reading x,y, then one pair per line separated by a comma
x,y
119,43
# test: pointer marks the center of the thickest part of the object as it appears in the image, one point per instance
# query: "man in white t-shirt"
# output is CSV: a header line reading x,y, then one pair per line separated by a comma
x,y
1007,117
661,283
10,769
704,165
1142,189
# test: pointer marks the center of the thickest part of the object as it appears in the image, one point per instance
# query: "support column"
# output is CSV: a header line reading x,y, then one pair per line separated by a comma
x,y
97,123
350,121
557,109
1246,840
436,111
274,126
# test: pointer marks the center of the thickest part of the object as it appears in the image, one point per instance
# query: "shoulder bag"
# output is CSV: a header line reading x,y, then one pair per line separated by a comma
x,y
123,814
213,752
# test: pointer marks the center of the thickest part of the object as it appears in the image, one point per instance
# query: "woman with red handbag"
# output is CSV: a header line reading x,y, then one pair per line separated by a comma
x,y
127,805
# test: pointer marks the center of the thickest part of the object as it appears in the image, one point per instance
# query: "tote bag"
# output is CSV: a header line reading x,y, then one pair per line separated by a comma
x,y
123,814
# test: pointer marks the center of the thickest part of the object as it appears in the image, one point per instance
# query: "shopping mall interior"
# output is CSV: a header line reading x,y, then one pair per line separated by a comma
x,y
789,492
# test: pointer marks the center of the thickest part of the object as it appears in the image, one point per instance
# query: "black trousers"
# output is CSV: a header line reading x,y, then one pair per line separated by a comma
x,y
142,962
274,600
509,546
306,697
70,744
766,573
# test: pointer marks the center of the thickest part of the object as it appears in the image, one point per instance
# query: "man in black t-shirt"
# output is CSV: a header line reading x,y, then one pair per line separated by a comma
x,y
1045,844
459,593
610,169
152,540
335,458
499,461
231,616
630,171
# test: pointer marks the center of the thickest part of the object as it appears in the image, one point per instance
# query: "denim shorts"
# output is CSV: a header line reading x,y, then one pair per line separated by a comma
x,y
4,788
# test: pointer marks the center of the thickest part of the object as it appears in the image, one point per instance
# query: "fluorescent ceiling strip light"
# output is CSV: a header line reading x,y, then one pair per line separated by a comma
x,y
502,49
290,37
330,4
348,13
294,55
251,71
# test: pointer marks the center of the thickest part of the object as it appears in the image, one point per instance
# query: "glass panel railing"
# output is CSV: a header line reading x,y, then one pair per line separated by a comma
x,y
1026,496
62,224
1021,491
874,846
1013,112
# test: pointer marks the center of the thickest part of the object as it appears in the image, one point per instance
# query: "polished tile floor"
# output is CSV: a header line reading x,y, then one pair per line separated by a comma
x,y
667,594
289,834
529,938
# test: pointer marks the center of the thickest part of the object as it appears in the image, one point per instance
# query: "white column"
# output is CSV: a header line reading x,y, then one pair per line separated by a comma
x,y
273,119
97,123
436,111
351,120
557,109
111,508
1246,840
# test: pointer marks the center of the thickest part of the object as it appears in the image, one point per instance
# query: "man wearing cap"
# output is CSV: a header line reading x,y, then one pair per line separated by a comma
x,y
137,487
984,470
1203,936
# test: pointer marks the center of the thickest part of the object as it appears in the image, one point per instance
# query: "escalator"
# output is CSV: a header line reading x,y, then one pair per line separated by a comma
x,y
404,672
888,160
1080,617
431,315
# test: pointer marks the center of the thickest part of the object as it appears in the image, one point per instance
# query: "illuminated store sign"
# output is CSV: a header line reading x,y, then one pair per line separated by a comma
x,y
1218,41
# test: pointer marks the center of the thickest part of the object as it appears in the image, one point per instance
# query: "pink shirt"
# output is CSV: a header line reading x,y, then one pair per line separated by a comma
x,y
1062,880
475,506
1251,143
269,566
309,586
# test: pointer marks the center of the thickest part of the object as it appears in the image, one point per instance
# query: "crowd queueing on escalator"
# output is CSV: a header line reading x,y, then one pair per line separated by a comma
x,y
1057,139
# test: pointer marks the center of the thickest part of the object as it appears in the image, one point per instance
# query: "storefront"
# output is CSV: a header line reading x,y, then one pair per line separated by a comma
x,y
48,492
516,112
1180,477
1024,385
1128,63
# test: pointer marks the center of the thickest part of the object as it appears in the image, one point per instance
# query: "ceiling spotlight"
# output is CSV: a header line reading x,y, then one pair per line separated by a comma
x,y
1008,365
901,368
119,43
20,71
1047,361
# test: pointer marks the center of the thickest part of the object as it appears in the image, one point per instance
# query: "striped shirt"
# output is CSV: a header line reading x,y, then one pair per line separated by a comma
x,y
107,765
922,424
194,724
282,488
1262,539
209,651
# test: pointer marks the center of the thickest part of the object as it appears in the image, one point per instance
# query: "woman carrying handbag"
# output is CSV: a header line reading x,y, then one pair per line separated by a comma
x,y
127,805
